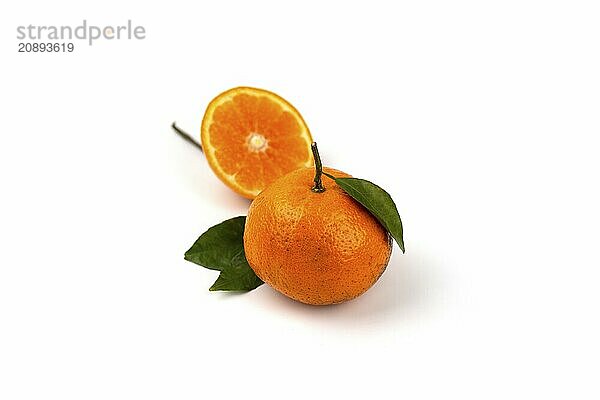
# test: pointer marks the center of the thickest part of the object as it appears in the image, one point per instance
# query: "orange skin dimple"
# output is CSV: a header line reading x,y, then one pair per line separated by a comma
x,y
251,137
317,248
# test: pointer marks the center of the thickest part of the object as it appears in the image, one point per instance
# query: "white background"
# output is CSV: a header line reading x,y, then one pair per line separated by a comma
x,y
480,118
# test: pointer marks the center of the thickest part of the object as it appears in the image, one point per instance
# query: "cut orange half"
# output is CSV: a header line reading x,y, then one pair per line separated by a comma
x,y
251,137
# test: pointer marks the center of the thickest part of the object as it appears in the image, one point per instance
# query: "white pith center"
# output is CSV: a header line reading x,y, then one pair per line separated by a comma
x,y
257,142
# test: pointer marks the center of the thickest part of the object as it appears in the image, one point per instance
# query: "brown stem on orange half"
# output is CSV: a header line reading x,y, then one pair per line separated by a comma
x,y
318,186
186,136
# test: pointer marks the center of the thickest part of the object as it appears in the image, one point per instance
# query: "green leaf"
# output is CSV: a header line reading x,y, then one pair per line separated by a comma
x,y
377,201
221,248
239,277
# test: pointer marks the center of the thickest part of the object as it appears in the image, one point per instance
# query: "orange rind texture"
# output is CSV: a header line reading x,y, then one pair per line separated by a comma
x,y
317,248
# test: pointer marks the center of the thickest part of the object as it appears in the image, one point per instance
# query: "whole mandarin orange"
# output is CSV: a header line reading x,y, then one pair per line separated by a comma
x,y
317,248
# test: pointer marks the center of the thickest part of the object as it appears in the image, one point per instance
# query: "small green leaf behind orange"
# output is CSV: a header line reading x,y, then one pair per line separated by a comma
x,y
377,201
221,248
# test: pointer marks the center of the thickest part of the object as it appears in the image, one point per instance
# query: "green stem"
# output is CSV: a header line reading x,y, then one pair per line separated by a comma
x,y
329,175
186,136
318,186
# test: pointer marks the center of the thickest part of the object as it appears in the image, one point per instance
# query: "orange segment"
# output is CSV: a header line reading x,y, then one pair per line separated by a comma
x,y
251,137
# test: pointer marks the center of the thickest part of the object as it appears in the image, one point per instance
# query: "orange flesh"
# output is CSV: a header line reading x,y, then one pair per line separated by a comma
x,y
252,137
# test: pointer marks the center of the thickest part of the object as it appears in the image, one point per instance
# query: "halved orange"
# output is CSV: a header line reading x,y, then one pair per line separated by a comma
x,y
251,137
